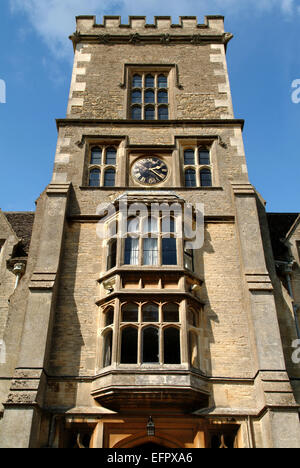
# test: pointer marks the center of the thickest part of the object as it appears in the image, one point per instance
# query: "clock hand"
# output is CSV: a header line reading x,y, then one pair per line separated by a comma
x,y
156,173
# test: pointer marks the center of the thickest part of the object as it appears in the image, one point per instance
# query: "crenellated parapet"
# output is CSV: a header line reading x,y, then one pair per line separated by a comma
x,y
161,31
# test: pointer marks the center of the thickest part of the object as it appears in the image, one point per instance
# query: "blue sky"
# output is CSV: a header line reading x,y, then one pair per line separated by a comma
x,y
36,62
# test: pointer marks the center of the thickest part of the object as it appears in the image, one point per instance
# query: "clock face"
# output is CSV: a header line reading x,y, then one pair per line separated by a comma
x,y
150,171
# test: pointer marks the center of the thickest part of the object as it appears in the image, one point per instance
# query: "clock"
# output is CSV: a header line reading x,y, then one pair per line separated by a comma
x,y
150,171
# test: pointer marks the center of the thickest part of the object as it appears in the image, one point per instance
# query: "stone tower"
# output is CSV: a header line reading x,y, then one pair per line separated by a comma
x,y
151,336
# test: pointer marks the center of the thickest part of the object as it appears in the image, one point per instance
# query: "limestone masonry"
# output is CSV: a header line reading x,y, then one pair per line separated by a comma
x,y
141,340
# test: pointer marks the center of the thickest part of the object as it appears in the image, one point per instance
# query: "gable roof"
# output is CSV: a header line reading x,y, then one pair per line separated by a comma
x,y
22,224
280,225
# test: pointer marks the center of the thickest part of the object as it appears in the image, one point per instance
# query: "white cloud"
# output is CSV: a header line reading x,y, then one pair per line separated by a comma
x,y
54,20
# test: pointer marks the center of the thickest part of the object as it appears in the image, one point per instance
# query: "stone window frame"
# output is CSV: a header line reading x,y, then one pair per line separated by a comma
x,y
103,167
184,327
298,250
197,167
159,234
170,71
118,255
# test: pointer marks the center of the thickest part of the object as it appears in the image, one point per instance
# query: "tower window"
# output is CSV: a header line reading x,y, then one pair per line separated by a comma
x,y
149,88
150,333
131,251
150,313
136,113
188,258
112,254
150,345
149,113
189,157
109,316
149,97
204,157
162,97
96,156
205,178
111,156
172,346
104,175
190,178
163,113
149,81
137,81
150,251
94,180
197,170
109,178
129,342
130,313
107,355
169,251
136,96
171,313
162,81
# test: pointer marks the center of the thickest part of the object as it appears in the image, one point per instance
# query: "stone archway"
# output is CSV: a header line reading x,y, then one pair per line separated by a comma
x,y
160,441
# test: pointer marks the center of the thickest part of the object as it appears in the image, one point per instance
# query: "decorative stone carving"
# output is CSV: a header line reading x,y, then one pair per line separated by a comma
x,y
104,38
165,39
196,39
135,38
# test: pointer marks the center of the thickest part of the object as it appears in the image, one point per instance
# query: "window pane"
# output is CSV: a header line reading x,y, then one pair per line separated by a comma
x,y
136,97
133,226
193,350
107,354
205,178
149,82
150,313
190,178
109,178
150,226
163,97
136,113
94,178
171,313
169,251
189,259
137,81
162,81
109,317
163,113
191,318
149,97
168,225
189,157
150,252
131,251
111,156
149,113
150,345
112,255
204,157
129,346
172,346
130,313
96,157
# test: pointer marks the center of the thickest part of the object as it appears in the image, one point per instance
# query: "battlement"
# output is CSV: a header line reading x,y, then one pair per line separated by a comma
x,y
112,24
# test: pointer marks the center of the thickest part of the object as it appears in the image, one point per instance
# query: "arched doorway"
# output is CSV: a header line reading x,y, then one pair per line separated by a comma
x,y
151,446
141,441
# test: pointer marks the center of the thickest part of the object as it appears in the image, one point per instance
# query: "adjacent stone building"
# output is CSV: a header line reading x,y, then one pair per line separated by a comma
x,y
147,339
